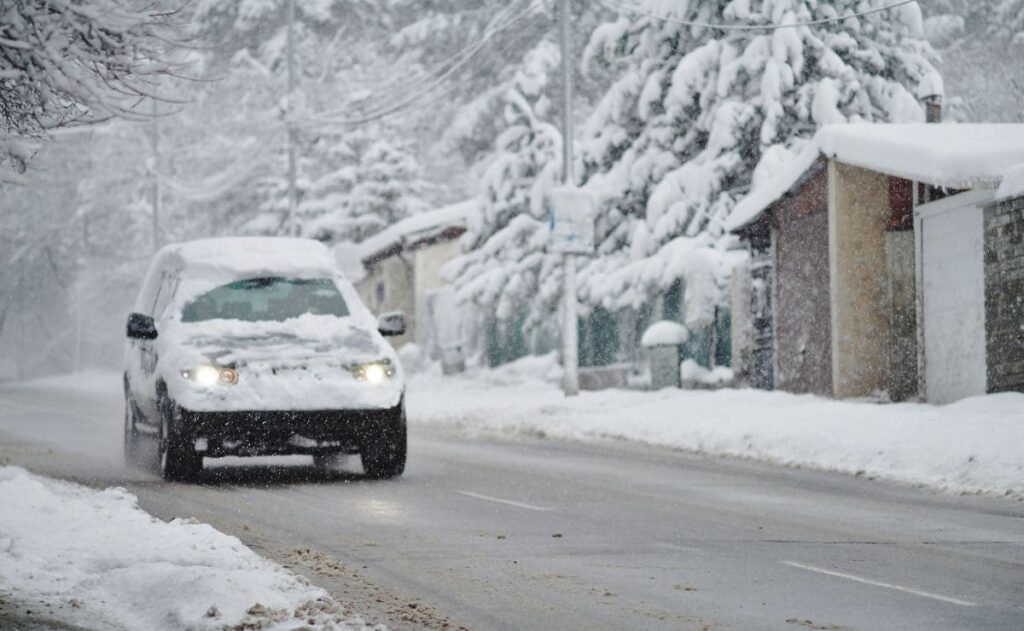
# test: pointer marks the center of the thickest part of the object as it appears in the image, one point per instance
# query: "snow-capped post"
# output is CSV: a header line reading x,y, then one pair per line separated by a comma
x,y
570,359
930,91
664,340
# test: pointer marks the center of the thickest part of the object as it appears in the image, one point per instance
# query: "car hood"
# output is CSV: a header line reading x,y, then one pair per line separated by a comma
x,y
305,363
296,343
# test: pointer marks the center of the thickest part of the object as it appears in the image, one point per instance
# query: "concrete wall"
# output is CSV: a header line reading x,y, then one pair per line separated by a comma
x,y
395,275
427,263
801,314
858,214
1004,295
901,298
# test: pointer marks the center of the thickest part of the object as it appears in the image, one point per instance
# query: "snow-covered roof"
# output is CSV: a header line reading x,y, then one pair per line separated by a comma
x,y
751,206
951,156
419,228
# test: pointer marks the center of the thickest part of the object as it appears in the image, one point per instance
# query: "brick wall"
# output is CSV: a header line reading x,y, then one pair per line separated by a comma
x,y
1004,294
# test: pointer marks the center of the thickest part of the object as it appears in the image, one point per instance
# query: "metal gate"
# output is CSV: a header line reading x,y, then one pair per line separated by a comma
x,y
949,238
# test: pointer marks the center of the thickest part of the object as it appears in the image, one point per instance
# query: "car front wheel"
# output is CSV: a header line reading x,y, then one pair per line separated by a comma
x,y
383,450
179,461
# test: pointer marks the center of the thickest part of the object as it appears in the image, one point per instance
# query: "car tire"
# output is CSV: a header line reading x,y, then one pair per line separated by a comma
x,y
383,451
131,436
178,461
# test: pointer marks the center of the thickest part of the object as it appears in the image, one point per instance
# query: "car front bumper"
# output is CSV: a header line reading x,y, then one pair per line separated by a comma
x,y
279,432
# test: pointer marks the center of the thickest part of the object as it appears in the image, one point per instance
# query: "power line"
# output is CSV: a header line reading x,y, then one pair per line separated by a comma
x,y
497,24
326,118
466,55
750,27
490,56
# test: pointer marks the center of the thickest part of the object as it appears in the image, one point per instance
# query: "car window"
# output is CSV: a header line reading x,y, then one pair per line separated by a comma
x,y
267,299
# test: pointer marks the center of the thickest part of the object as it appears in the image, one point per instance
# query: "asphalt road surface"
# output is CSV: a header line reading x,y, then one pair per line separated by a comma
x,y
488,532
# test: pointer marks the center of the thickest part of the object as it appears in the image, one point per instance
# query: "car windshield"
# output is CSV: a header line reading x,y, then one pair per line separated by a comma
x,y
267,299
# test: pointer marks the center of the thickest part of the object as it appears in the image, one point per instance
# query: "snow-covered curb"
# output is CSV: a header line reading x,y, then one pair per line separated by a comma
x,y
99,561
975,445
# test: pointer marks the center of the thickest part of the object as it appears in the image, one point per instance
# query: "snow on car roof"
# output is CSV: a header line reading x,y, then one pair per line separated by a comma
x,y
209,263
953,156
281,256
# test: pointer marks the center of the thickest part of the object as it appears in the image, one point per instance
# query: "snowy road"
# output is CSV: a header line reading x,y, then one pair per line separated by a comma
x,y
498,534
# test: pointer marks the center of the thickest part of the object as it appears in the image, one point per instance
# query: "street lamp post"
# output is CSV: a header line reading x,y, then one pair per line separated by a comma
x,y
570,357
293,193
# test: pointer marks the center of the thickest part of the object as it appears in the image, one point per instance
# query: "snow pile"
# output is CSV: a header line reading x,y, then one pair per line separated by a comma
x,y
532,369
664,333
106,563
974,445
691,371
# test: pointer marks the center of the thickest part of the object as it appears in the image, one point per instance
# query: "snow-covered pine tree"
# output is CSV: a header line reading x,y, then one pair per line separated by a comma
x,y
360,185
699,115
505,270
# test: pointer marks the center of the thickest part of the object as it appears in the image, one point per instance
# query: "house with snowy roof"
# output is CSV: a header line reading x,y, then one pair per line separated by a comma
x,y
402,266
886,260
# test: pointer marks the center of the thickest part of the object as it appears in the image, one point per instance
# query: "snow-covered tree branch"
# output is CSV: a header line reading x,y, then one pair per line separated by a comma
x,y
64,62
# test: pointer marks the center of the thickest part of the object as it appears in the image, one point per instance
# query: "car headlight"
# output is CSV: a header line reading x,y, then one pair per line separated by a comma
x,y
208,375
374,372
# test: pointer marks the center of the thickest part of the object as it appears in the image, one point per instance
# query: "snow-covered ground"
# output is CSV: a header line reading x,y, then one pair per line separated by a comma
x,y
975,445
98,561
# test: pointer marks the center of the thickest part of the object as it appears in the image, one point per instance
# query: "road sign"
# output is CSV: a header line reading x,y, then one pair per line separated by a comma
x,y
571,220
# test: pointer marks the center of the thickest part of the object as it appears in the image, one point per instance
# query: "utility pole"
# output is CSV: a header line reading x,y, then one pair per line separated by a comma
x,y
293,193
154,130
570,355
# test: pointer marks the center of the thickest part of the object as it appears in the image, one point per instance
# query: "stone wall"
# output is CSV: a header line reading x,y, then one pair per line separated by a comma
x,y
1004,294
801,312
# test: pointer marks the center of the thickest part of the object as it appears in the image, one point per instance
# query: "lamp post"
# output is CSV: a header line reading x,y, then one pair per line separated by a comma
x,y
293,193
570,355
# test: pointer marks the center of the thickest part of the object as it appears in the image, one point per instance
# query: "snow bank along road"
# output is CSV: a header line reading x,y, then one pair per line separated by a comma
x,y
496,533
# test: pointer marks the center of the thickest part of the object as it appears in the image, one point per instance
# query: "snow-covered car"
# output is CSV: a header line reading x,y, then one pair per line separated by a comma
x,y
259,346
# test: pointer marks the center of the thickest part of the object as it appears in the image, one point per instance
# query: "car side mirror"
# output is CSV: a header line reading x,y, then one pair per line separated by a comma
x,y
141,327
391,324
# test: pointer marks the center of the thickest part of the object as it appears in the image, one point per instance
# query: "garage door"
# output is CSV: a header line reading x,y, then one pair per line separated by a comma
x,y
950,250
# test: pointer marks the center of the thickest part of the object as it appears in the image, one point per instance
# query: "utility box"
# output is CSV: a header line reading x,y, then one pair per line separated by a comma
x,y
663,341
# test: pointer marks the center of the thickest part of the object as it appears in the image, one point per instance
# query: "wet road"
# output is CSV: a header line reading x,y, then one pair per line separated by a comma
x,y
495,533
